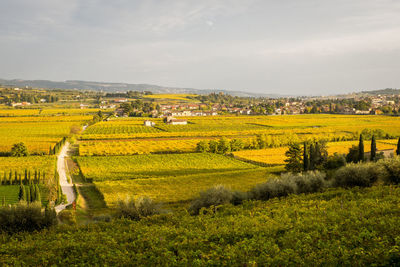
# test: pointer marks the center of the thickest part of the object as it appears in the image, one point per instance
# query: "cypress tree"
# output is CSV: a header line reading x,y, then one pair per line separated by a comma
x,y
373,148
22,193
28,194
361,149
37,196
312,158
306,161
398,147
32,193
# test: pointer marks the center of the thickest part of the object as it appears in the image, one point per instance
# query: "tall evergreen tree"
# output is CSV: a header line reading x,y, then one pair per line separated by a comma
x,y
398,147
312,158
37,194
361,149
293,161
28,194
33,193
22,193
306,161
373,148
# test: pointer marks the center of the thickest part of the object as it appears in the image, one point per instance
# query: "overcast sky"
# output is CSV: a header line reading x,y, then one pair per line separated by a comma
x,y
285,47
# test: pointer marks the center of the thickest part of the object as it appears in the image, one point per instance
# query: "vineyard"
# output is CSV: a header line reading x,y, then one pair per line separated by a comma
x,y
38,133
34,169
9,194
171,190
358,227
151,166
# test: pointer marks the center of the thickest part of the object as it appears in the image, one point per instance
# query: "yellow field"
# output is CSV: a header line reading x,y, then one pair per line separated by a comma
x,y
136,147
38,133
11,112
276,156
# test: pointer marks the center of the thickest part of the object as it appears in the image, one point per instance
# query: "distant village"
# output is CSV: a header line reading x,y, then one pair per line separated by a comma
x,y
140,104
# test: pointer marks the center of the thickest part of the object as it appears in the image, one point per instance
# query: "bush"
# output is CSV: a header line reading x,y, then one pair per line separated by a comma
x,y
310,182
214,196
273,188
391,169
335,161
26,217
363,175
289,183
136,209
67,217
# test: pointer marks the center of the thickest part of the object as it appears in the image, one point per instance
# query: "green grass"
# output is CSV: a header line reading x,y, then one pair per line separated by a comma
x,y
93,198
9,193
151,166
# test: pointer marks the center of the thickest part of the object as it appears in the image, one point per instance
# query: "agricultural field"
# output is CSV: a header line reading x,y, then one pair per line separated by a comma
x,y
358,227
48,112
9,194
182,188
12,168
298,128
138,146
276,156
38,133
104,168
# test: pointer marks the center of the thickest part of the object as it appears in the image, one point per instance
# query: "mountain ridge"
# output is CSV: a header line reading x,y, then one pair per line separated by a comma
x,y
123,87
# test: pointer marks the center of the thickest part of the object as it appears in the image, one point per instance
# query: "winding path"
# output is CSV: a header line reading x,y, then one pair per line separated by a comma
x,y
67,188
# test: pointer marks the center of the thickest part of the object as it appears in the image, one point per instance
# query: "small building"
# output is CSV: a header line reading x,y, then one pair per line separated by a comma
x,y
172,121
149,123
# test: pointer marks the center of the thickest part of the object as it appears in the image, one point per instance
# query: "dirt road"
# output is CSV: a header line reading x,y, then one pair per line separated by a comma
x,y
67,188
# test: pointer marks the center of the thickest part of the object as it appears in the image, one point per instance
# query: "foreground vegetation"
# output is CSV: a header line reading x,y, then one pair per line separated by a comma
x,y
337,227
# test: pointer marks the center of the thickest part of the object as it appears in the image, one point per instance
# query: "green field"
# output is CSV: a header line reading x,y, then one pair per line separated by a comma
x,y
151,166
9,193
182,188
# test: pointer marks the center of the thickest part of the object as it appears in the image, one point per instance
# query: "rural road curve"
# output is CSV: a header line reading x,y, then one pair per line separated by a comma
x,y
67,188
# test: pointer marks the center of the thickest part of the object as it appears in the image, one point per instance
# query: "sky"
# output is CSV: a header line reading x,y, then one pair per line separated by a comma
x,y
303,47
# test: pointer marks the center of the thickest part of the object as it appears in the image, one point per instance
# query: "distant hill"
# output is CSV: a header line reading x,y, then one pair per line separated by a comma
x,y
387,91
123,87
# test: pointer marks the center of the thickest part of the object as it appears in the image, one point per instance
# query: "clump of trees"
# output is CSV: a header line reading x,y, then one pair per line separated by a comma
x,y
221,146
26,217
313,156
29,193
19,150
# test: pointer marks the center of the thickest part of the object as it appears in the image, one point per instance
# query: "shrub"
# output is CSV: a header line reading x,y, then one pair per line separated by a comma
x,y
273,188
136,209
290,183
391,169
363,175
335,161
310,182
67,217
26,217
214,196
